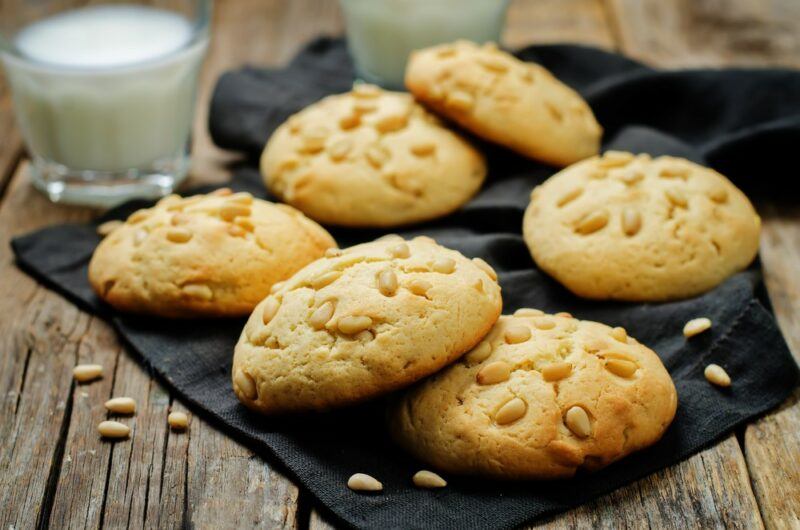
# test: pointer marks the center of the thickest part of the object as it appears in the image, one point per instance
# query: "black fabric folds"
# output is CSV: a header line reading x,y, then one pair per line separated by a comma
x,y
741,122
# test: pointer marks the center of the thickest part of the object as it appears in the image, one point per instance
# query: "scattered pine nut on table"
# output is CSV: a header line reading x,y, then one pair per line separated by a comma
x,y
363,482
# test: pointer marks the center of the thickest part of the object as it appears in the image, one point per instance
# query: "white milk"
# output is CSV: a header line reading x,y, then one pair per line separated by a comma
x,y
106,88
382,33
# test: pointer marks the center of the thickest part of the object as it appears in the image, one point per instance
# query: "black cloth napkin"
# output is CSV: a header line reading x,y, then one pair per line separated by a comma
x,y
738,121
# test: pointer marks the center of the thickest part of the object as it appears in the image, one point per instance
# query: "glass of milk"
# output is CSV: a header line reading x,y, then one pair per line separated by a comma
x,y
382,33
104,93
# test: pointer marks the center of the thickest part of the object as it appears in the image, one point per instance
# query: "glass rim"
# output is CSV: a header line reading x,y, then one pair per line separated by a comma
x,y
200,33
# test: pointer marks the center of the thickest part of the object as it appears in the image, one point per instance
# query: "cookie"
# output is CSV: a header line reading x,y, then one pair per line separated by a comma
x,y
507,101
627,227
539,398
353,326
213,255
370,158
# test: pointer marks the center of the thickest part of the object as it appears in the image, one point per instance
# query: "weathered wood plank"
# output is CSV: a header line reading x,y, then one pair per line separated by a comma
x,y
683,33
772,444
546,21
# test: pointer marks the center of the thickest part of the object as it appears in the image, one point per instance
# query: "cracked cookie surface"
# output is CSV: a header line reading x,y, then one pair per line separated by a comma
x,y
635,228
540,397
370,158
362,322
203,256
517,104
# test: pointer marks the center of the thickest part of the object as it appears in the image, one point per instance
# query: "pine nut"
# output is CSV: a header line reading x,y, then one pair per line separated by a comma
x,y
556,371
620,334
377,156
615,159
592,222
696,326
113,429
178,421
517,333
674,170
221,192
366,91
106,228
494,373
423,148
121,405
400,250
333,252
391,123
84,373
339,150
717,375
363,482
352,324
493,63
621,368
718,194
364,107
315,134
528,312
631,176
351,121
527,75
269,309
595,345
563,314
321,315
139,236
428,479
597,173
419,287
179,235
446,52
615,355
479,353
631,221
138,216
198,290
276,287
485,267
511,411
387,282
460,101
578,422
245,223
242,197
676,197
325,279
364,336
180,218
569,197
544,323
444,265
231,210
245,383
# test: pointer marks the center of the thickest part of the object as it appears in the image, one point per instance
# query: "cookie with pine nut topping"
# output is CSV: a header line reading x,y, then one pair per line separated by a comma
x,y
363,322
496,96
626,227
539,398
370,158
214,255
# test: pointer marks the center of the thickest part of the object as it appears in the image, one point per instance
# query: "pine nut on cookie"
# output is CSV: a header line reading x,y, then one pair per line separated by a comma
x,y
391,316
370,157
571,396
630,227
205,255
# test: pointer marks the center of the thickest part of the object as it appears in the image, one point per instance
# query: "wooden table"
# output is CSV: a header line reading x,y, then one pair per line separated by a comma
x,y
55,470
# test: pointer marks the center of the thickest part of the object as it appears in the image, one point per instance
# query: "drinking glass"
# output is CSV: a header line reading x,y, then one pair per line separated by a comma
x,y
104,93
382,33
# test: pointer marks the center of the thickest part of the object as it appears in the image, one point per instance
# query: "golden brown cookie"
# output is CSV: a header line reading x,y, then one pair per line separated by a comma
x,y
205,255
628,227
539,398
353,326
370,158
498,97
